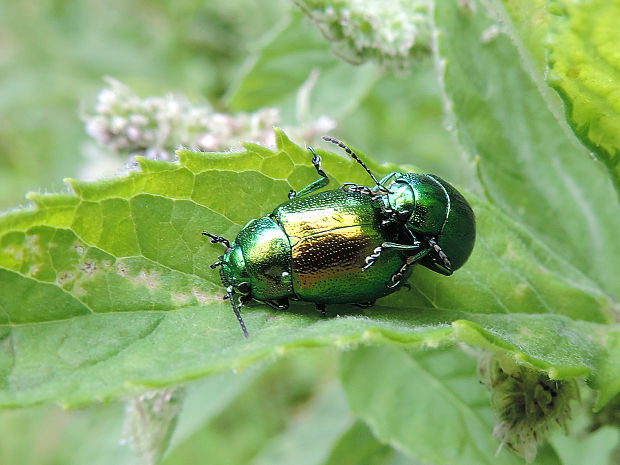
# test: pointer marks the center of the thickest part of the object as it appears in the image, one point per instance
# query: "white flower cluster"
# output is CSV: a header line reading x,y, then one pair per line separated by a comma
x,y
390,32
156,126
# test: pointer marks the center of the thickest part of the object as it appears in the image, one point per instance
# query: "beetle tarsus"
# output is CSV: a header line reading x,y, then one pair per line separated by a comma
x,y
316,161
372,258
352,187
321,308
365,304
397,277
316,185
365,190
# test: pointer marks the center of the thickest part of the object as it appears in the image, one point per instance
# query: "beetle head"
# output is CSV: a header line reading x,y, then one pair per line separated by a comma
x,y
433,209
234,271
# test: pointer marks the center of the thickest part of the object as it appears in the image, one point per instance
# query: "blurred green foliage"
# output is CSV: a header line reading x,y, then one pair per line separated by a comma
x,y
54,55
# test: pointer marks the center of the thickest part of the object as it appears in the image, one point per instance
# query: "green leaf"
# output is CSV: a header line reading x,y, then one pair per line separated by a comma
x,y
529,22
310,440
208,397
359,446
584,69
48,435
599,447
275,405
430,405
109,291
573,45
286,60
294,412
527,164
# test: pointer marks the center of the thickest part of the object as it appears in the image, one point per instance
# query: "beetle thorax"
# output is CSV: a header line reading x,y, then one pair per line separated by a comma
x,y
401,200
423,199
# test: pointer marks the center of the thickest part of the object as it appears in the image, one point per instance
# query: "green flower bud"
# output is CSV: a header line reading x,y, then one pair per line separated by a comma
x,y
526,402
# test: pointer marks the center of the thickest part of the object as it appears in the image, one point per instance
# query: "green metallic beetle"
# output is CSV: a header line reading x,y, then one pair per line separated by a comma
x,y
350,245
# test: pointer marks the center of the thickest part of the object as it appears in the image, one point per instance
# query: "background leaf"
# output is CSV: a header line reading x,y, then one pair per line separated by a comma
x,y
430,404
286,60
528,166
395,118
54,59
573,45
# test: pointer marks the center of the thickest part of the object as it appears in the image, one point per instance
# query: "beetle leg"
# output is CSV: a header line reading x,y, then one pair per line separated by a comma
x,y
365,304
372,258
316,161
387,177
244,299
321,308
397,277
393,245
280,304
352,187
316,185
218,263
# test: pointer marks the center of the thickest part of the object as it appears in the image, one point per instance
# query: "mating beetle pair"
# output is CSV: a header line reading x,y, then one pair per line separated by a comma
x,y
353,244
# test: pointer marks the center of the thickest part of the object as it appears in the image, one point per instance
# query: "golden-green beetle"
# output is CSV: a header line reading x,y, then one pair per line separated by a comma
x,y
353,244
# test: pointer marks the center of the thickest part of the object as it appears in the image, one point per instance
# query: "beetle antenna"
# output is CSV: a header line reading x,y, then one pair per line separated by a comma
x,y
230,292
442,255
355,157
217,239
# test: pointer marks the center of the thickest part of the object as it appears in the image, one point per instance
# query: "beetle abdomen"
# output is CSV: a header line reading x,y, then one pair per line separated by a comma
x,y
331,234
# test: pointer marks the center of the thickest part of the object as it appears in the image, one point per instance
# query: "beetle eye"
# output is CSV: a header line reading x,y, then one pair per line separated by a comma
x,y
244,287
